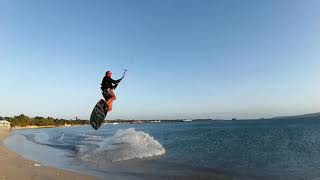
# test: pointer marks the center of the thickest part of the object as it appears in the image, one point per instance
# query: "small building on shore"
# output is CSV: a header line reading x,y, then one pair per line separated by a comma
x,y
4,123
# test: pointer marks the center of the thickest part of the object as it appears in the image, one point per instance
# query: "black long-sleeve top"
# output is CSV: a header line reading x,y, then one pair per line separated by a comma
x,y
108,82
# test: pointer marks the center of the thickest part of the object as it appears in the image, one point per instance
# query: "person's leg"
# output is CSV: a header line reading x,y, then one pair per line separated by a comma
x,y
110,100
109,97
106,98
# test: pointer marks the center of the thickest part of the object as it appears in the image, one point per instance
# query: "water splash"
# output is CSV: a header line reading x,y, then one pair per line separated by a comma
x,y
123,145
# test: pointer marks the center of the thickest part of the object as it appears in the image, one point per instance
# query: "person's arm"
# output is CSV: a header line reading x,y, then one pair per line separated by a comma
x,y
113,81
115,86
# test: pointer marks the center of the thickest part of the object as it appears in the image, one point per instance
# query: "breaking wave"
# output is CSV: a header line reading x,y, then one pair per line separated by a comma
x,y
123,145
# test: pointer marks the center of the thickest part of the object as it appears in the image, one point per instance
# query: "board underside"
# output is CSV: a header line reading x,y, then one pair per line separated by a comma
x,y
98,114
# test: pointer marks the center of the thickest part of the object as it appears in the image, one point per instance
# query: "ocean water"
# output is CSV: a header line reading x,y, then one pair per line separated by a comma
x,y
246,149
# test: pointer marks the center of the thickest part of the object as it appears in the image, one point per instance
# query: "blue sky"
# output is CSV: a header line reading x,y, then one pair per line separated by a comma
x,y
185,59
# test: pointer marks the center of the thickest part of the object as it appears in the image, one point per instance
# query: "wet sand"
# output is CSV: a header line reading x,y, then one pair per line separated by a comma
x,y
15,167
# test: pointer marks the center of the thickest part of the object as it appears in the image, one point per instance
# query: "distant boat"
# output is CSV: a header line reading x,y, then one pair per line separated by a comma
x,y
187,120
155,121
234,119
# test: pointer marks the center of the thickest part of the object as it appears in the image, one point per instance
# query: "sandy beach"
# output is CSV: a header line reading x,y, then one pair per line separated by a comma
x,y
15,167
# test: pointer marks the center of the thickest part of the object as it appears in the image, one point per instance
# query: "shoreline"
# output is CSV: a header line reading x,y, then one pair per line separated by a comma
x,y
14,166
39,127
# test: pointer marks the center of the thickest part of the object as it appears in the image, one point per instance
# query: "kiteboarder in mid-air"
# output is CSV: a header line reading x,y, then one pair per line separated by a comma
x,y
101,109
107,86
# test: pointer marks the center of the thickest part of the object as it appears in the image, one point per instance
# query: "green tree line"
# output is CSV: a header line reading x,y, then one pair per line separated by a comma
x,y
23,121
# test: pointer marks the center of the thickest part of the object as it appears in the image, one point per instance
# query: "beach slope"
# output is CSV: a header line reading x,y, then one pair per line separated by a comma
x,y
13,166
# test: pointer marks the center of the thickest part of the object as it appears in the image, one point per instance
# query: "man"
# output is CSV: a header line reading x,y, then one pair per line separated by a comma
x,y
107,87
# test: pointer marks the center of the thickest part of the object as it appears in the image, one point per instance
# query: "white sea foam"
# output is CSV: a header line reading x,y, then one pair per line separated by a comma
x,y
93,138
41,137
61,137
123,145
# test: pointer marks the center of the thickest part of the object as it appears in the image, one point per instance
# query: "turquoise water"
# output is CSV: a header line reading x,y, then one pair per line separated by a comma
x,y
252,149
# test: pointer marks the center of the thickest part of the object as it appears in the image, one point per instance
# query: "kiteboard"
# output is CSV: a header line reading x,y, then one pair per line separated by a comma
x,y
98,114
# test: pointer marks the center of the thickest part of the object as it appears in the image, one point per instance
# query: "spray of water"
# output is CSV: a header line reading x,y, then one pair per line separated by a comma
x,y
123,145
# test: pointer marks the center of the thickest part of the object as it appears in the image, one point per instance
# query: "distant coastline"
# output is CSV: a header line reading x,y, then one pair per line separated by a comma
x,y
24,122
310,115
